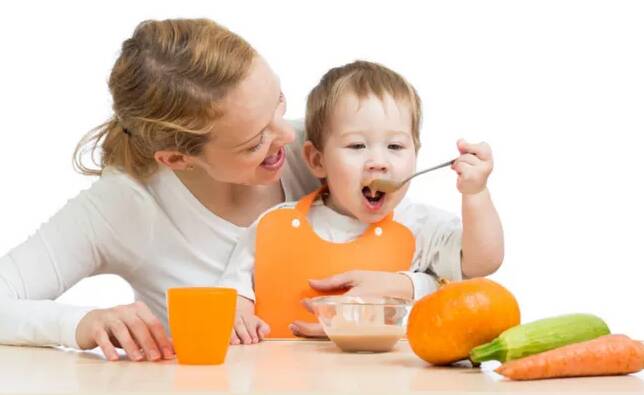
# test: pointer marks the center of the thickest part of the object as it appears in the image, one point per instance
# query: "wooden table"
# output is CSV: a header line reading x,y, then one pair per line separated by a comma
x,y
273,367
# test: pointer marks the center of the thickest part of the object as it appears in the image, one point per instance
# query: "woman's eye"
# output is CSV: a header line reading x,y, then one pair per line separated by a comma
x,y
356,146
256,147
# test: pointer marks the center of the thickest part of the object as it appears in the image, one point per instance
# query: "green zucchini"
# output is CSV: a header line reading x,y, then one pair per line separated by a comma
x,y
539,336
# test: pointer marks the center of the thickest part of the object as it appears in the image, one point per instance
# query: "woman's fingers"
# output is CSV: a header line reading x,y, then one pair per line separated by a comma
x,y
122,334
143,337
156,329
103,341
132,327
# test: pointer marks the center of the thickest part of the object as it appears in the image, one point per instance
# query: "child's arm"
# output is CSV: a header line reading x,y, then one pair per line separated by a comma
x,y
482,243
248,328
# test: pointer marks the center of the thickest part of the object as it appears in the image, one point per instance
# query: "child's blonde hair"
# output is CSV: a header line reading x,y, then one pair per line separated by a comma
x,y
165,86
361,78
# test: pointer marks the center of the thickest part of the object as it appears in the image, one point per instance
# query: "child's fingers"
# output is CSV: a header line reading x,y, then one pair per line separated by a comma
x,y
263,329
469,159
333,283
467,172
251,328
482,150
234,339
307,329
307,304
242,332
461,144
460,167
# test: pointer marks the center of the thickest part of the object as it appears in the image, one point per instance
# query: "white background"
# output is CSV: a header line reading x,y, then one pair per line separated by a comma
x,y
556,88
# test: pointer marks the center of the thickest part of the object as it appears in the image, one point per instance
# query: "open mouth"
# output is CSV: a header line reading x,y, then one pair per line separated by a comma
x,y
374,199
275,161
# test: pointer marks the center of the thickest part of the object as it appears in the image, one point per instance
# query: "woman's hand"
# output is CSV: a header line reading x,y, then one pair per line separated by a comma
x,y
131,327
357,282
248,328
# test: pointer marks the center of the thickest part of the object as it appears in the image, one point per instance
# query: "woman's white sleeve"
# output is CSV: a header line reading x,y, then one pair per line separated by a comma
x,y
72,245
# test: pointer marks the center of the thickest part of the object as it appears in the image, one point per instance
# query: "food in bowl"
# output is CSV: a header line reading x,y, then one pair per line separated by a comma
x,y
362,324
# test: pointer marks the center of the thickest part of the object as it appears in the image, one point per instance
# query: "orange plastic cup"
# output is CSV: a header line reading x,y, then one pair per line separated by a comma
x,y
201,320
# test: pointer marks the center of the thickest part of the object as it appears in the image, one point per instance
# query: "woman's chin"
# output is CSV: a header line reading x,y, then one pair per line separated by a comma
x,y
267,178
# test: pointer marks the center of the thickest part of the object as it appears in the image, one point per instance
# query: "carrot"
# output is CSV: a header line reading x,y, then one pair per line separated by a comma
x,y
603,356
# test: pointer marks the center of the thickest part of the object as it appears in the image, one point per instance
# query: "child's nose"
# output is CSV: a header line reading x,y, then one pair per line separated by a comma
x,y
377,166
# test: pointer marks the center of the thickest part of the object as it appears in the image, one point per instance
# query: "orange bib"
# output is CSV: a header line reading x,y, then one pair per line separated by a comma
x,y
289,253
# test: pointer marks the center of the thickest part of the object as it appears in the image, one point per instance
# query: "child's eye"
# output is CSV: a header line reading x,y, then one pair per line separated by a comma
x,y
396,147
356,146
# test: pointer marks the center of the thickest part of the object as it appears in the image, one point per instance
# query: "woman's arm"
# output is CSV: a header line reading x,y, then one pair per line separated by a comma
x,y
58,255
92,234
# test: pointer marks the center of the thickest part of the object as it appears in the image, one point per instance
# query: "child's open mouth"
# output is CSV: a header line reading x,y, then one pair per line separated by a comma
x,y
373,199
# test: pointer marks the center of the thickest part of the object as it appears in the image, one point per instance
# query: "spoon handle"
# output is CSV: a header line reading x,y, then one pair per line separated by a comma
x,y
448,163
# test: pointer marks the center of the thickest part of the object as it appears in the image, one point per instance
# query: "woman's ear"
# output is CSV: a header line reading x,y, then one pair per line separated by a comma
x,y
314,160
173,160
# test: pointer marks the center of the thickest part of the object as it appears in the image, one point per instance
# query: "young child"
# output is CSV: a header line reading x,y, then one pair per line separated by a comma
x,y
362,123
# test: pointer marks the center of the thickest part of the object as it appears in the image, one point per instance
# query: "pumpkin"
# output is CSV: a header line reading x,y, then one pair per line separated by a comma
x,y
444,326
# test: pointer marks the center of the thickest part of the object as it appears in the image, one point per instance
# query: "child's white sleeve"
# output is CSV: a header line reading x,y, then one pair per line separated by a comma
x,y
240,270
241,265
438,246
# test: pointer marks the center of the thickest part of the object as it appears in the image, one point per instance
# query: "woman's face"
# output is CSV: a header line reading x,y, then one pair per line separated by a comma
x,y
248,143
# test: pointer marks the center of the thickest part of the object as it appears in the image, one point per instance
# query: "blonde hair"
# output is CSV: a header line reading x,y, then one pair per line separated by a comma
x,y
165,86
361,78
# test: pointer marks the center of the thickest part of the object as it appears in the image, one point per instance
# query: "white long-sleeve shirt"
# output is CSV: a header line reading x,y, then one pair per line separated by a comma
x,y
438,237
155,235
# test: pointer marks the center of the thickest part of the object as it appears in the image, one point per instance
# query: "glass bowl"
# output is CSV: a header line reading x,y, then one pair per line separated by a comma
x,y
362,323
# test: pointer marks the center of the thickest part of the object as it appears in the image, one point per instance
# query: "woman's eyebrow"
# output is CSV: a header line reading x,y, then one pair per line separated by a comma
x,y
250,139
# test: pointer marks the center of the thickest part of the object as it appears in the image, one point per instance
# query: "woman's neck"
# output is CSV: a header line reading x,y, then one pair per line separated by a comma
x,y
236,203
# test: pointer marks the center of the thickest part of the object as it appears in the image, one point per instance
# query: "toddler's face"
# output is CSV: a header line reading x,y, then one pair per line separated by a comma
x,y
367,139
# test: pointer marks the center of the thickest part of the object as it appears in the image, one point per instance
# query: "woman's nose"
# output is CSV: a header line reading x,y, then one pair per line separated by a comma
x,y
283,132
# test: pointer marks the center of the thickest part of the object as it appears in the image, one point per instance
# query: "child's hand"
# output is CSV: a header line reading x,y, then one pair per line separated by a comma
x,y
473,166
248,328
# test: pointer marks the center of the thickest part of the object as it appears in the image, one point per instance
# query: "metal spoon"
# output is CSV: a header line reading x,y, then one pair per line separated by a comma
x,y
389,186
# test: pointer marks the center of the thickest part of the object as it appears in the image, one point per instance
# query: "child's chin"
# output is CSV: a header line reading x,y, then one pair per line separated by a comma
x,y
372,218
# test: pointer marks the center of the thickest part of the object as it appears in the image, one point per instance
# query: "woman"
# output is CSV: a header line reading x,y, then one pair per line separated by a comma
x,y
196,150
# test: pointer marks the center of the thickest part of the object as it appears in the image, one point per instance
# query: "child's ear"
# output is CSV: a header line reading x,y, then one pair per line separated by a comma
x,y
314,160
